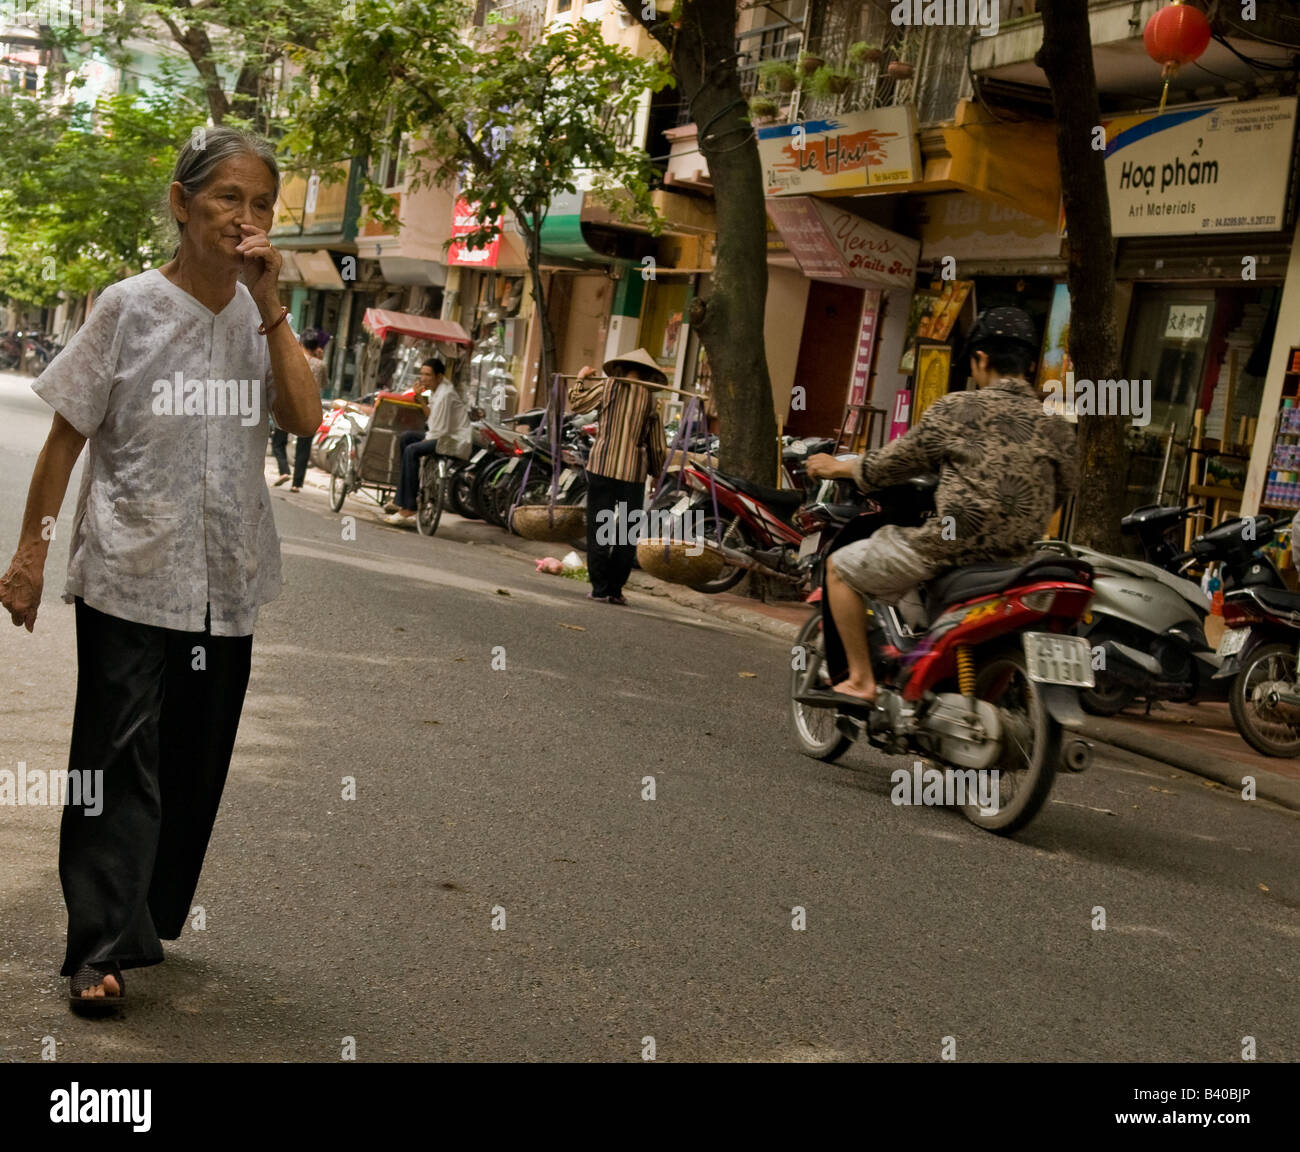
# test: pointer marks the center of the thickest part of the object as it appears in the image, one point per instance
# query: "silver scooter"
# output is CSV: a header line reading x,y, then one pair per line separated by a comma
x,y
1146,623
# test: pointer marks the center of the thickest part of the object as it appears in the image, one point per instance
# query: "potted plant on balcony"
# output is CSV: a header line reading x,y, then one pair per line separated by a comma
x,y
861,53
779,74
828,81
809,63
900,70
763,109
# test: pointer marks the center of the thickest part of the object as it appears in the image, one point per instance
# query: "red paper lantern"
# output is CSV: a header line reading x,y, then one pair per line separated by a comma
x,y
1177,34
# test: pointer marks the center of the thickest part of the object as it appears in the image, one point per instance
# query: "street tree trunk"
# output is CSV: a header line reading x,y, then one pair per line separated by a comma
x,y
702,50
1066,56
533,245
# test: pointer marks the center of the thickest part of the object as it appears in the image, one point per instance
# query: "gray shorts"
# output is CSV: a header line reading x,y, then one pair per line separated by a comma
x,y
884,566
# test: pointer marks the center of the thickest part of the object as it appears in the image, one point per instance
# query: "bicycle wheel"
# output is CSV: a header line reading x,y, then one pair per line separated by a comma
x,y
428,503
342,473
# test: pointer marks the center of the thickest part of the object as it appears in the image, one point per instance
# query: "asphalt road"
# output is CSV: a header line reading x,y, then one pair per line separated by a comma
x,y
520,789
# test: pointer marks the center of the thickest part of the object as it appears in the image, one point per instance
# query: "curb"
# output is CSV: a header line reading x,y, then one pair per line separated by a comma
x,y
1268,785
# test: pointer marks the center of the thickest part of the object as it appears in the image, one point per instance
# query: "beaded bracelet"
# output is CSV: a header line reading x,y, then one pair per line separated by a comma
x,y
265,331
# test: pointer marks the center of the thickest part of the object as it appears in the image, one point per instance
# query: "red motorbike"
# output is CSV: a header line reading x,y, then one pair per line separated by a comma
x,y
980,675
751,526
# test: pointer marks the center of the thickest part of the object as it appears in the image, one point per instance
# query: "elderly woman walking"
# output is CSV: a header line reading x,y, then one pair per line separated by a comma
x,y
173,548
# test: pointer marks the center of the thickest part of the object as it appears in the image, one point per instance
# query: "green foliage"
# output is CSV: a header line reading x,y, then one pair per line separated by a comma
x,y
81,189
516,122
779,74
861,52
829,81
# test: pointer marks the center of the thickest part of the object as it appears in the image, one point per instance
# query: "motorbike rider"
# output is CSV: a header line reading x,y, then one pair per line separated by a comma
x,y
1004,462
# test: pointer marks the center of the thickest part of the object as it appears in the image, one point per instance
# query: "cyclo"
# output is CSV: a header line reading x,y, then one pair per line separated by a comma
x,y
373,460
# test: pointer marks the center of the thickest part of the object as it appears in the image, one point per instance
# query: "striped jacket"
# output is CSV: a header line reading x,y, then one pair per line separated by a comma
x,y
630,442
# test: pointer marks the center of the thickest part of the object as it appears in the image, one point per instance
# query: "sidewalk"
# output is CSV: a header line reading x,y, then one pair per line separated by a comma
x,y
1201,739
782,619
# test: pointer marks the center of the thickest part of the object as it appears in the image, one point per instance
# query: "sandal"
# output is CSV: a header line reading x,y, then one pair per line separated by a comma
x,y
87,976
854,705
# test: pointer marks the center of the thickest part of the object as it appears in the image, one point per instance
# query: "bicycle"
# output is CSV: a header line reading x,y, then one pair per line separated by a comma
x,y
435,473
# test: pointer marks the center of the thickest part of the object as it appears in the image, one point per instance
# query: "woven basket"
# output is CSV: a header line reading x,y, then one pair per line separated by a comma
x,y
542,522
667,560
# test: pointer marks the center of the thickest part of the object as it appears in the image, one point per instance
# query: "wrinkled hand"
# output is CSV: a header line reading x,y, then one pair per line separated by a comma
x,y
585,371
20,592
262,265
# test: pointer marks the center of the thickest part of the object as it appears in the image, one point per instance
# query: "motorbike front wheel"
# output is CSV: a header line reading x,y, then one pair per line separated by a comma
x,y
1268,728
1031,744
458,488
487,496
815,728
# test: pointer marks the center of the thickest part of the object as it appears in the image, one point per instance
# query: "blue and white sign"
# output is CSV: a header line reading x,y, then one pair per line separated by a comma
x,y
1201,170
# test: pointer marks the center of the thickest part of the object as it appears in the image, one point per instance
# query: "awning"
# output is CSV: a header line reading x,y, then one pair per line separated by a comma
x,y
381,323
562,230
831,244
407,270
311,270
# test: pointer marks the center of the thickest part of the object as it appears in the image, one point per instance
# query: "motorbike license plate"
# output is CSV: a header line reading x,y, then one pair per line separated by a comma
x,y
514,463
567,477
1053,659
809,545
683,502
1232,641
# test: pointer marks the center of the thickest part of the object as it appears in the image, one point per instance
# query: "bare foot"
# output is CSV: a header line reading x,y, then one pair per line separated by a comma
x,y
108,986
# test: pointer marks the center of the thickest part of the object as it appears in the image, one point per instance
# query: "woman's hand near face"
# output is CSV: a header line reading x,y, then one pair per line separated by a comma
x,y
262,263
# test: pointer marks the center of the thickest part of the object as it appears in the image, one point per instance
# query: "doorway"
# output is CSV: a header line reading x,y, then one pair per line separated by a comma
x,y
826,358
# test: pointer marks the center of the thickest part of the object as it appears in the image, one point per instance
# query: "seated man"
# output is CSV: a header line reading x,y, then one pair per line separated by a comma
x,y
1004,465
447,434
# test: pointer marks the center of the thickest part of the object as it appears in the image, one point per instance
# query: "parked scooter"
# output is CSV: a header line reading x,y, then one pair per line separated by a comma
x,y
1260,644
1148,624
986,682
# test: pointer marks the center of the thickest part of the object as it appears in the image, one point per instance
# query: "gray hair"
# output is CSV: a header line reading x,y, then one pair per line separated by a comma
x,y
205,151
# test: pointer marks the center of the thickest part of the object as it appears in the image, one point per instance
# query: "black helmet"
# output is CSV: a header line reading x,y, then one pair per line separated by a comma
x,y
998,325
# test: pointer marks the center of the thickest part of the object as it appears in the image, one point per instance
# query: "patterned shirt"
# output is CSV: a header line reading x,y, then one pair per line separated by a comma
x,y
1004,466
173,513
630,444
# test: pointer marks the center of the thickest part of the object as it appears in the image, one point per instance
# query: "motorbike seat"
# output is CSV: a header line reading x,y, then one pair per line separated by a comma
x,y
779,499
976,580
1274,599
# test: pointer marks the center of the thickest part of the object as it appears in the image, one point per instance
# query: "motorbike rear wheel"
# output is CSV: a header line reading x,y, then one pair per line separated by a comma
x,y
725,529
1109,697
816,729
1260,727
1031,744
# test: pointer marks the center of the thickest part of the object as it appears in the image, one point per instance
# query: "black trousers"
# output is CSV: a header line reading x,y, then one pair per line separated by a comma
x,y
414,448
301,455
609,565
157,711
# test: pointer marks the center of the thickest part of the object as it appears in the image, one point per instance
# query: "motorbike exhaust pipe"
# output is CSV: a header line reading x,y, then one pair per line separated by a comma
x,y
741,560
1078,755
1284,703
